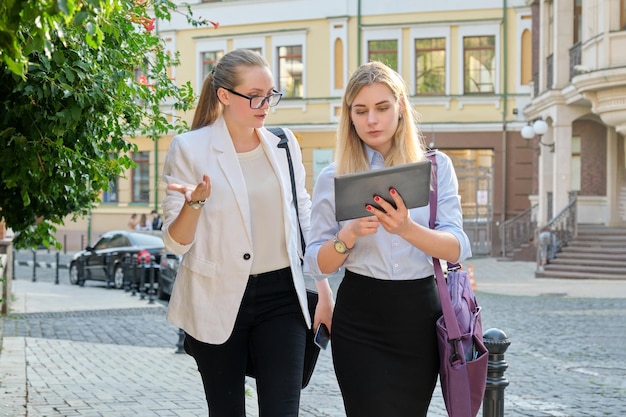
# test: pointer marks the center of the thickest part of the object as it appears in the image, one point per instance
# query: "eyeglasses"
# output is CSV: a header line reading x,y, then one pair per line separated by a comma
x,y
256,102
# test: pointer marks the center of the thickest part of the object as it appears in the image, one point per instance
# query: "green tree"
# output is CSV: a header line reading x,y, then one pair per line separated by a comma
x,y
77,80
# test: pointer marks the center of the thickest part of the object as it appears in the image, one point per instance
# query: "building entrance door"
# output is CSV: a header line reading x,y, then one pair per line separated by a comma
x,y
474,171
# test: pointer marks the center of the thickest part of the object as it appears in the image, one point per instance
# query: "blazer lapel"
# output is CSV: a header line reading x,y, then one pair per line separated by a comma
x,y
229,164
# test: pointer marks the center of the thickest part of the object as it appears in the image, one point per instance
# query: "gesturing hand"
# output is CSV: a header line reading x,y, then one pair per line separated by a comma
x,y
199,192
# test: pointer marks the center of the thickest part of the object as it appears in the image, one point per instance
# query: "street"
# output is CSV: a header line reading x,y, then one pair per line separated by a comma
x,y
566,357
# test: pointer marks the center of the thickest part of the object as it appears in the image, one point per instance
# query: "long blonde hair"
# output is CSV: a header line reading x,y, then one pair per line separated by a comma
x,y
225,74
407,145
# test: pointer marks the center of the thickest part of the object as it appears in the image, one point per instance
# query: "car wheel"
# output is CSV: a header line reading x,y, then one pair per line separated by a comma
x,y
74,278
118,277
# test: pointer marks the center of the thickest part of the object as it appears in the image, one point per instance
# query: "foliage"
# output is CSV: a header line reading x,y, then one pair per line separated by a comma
x,y
96,75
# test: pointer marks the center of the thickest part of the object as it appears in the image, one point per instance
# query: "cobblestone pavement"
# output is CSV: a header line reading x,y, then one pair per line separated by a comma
x,y
566,358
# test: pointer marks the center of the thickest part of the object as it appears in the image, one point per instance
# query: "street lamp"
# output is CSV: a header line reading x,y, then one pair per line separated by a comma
x,y
538,128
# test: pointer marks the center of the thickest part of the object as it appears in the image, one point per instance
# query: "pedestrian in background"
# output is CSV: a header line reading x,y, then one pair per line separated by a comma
x,y
157,222
239,294
384,342
143,223
132,222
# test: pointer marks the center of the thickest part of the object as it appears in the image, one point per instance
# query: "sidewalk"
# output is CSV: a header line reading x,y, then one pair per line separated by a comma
x,y
32,369
518,278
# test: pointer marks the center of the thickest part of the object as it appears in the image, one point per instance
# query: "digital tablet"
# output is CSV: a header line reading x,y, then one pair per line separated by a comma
x,y
354,191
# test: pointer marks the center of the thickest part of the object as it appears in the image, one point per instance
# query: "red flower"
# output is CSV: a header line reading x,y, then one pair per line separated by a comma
x,y
215,24
148,24
142,80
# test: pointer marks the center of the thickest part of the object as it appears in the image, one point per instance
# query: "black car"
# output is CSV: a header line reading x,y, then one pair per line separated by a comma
x,y
107,260
168,269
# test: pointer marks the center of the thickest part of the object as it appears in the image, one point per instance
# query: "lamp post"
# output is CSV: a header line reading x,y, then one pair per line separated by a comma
x,y
538,128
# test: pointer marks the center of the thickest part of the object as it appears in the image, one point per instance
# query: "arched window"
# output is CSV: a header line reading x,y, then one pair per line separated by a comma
x,y
338,64
526,67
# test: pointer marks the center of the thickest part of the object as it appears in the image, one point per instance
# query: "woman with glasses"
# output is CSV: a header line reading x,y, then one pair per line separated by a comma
x,y
239,294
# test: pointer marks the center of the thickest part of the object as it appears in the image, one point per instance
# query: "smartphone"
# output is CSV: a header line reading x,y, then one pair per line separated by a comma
x,y
322,336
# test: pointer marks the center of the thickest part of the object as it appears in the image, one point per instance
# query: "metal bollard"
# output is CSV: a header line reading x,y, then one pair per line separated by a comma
x,y
142,279
497,343
82,269
107,269
127,272
180,345
56,272
133,285
34,265
151,288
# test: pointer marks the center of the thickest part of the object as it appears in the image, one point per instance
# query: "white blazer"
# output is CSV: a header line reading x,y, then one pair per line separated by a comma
x,y
214,272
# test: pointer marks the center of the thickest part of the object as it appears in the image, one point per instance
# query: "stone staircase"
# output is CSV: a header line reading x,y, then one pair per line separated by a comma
x,y
598,252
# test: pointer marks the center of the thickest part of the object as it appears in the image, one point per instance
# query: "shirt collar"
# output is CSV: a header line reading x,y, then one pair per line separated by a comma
x,y
374,157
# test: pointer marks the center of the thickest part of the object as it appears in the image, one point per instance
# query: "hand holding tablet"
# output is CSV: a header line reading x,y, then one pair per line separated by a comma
x,y
354,191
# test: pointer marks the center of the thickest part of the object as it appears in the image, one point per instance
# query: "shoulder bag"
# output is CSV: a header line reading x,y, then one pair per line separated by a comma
x,y
462,353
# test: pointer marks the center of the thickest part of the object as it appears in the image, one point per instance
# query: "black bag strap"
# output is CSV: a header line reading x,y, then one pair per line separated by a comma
x,y
284,143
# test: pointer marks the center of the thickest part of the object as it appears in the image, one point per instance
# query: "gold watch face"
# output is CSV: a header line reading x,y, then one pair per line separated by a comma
x,y
340,246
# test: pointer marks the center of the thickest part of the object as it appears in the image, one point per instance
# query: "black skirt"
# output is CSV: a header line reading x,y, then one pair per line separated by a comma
x,y
384,345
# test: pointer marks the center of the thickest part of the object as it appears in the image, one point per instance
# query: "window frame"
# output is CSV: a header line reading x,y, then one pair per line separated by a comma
x,y
430,32
141,159
296,38
473,31
202,46
378,34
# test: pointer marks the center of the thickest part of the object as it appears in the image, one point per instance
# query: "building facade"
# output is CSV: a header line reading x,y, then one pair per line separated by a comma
x,y
468,66
579,91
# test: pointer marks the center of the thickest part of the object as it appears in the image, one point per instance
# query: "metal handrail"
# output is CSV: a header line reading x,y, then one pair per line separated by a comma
x,y
518,230
562,229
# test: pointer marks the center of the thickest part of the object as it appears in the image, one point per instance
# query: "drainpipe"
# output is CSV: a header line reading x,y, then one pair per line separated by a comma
x,y
504,106
358,32
156,149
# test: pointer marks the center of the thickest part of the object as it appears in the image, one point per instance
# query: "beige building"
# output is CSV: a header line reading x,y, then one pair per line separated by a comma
x,y
580,92
468,65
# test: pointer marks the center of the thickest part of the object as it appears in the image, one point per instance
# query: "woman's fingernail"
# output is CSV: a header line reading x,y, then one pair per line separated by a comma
x,y
368,207
376,198
392,191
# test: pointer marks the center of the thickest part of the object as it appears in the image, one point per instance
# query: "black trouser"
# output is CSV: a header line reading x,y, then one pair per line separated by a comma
x,y
384,345
270,331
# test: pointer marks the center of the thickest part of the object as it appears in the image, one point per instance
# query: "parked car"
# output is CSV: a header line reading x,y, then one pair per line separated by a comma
x,y
168,269
104,261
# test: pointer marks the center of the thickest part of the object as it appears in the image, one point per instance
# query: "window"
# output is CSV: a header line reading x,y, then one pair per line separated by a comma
x,y
141,177
110,195
430,66
209,59
578,21
385,51
290,66
622,14
479,64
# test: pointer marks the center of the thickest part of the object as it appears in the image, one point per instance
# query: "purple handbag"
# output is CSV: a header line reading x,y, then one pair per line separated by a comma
x,y
462,353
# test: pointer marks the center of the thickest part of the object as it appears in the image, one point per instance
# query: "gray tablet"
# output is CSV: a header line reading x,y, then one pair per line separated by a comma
x,y
354,191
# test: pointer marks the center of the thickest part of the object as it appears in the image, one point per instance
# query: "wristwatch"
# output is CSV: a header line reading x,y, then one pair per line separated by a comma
x,y
340,246
196,204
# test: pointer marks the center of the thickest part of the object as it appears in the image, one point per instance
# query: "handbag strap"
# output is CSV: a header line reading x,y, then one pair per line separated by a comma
x,y
452,325
284,143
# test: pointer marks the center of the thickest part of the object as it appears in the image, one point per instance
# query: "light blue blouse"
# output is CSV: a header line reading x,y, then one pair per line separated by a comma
x,y
384,255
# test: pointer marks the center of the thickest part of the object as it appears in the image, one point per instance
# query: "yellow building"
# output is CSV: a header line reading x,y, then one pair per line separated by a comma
x,y
468,66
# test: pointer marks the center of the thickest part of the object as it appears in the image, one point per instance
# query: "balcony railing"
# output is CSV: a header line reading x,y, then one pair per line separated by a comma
x,y
549,72
574,59
535,84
